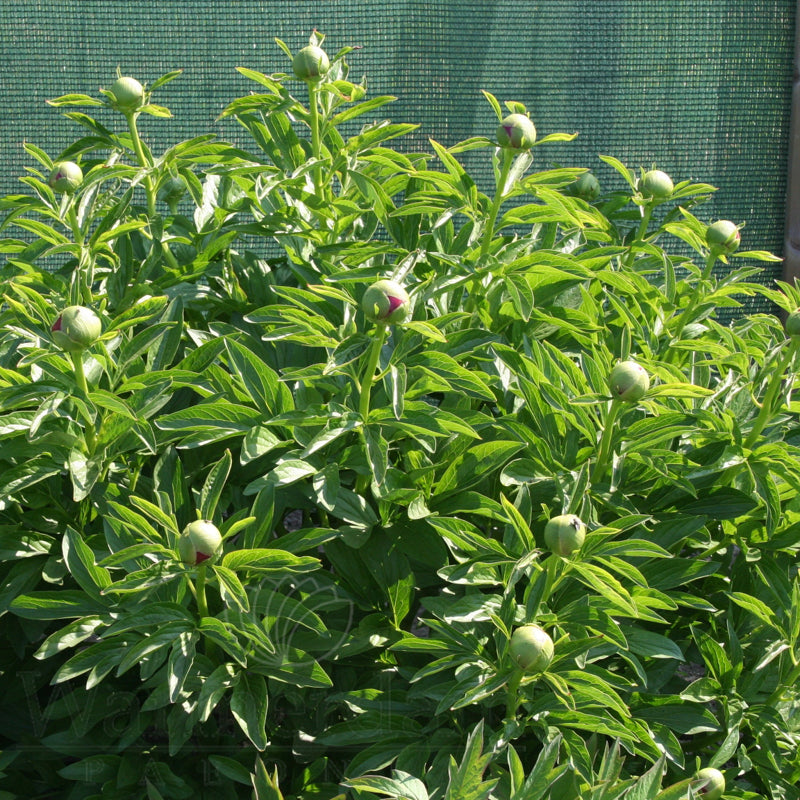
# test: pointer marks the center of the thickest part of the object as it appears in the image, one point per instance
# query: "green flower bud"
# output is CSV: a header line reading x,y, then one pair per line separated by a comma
x,y
656,184
587,188
517,132
531,648
564,534
128,94
723,236
199,541
792,326
172,190
714,783
66,177
386,301
76,329
311,63
628,381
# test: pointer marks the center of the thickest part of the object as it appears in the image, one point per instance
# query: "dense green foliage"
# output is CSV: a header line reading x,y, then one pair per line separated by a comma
x,y
382,467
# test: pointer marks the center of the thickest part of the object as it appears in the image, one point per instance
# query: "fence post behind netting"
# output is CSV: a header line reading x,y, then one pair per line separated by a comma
x,y
791,264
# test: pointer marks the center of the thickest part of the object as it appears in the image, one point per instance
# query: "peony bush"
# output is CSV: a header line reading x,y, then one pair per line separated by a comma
x,y
329,473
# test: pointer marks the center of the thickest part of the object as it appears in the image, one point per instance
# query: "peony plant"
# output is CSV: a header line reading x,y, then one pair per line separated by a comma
x,y
383,619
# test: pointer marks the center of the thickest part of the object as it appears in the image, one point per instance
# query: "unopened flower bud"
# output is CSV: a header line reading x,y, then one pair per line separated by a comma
x,y
517,132
713,785
656,184
76,328
531,648
66,177
199,541
386,301
311,63
564,534
792,325
587,187
128,94
723,236
172,190
628,381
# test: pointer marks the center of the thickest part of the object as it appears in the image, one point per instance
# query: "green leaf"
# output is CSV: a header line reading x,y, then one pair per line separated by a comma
x,y
180,662
683,718
160,639
475,464
466,778
651,645
75,100
269,395
758,608
647,786
230,587
80,561
266,785
542,776
214,484
268,560
56,604
155,513
401,785
249,703
224,635
69,636
216,420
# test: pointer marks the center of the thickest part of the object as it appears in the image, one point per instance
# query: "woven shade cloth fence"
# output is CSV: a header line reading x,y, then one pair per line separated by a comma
x,y
699,88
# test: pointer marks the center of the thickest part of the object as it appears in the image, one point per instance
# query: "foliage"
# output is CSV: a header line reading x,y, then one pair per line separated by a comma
x,y
382,487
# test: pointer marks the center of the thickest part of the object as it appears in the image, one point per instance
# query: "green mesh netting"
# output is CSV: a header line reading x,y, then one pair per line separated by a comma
x,y
700,88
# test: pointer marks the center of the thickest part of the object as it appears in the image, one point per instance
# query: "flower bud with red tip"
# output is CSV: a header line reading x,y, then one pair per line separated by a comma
x,y
723,236
516,132
386,301
66,177
200,541
76,328
628,381
311,64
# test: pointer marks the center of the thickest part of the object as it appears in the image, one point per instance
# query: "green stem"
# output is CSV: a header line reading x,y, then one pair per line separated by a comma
x,y
512,694
316,142
694,299
369,370
499,192
766,411
601,463
366,388
641,232
710,261
200,593
74,224
81,289
138,148
644,224
80,378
